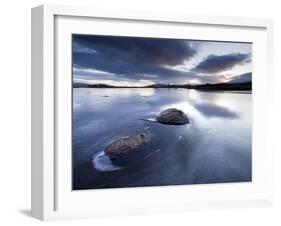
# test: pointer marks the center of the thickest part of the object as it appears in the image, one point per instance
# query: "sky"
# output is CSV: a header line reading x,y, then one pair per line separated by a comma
x,y
137,61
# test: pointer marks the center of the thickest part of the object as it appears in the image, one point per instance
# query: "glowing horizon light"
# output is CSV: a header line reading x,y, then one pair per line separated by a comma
x,y
194,82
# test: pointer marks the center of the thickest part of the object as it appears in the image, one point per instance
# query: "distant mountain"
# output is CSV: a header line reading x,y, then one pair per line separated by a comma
x,y
100,86
224,86
85,85
167,86
80,85
247,77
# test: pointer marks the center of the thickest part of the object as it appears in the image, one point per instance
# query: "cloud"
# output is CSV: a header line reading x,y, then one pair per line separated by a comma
x,y
114,66
219,63
247,77
94,74
90,71
77,47
213,110
100,58
151,51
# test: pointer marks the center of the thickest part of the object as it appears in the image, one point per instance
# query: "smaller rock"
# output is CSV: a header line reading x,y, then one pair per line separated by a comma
x,y
172,116
126,145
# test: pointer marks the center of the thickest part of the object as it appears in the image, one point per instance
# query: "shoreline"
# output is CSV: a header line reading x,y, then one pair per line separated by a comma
x,y
198,89
245,86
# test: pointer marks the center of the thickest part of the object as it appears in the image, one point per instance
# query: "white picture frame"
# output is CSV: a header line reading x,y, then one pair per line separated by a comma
x,y
52,198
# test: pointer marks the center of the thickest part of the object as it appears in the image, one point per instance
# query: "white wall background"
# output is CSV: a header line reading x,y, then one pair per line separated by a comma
x,y
15,111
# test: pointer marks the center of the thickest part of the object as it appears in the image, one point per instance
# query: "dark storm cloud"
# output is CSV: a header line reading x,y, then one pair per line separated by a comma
x,y
132,50
123,68
131,58
218,63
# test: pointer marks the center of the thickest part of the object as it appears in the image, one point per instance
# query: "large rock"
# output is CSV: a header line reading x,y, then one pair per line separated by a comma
x,y
172,116
126,145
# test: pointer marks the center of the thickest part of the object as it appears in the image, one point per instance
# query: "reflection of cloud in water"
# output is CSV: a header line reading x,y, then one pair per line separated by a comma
x,y
199,95
193,94
213,110
146,92
116,92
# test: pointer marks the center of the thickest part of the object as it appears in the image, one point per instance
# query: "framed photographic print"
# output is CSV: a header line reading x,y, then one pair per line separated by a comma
x,y
140,112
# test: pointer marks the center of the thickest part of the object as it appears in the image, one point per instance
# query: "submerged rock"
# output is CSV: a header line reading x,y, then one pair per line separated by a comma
x,y
126,145
172,116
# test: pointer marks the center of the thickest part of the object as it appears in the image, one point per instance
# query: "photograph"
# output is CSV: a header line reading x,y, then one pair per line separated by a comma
x,y
153,111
